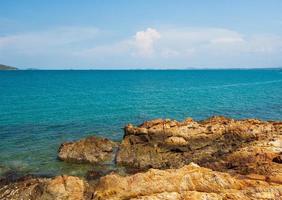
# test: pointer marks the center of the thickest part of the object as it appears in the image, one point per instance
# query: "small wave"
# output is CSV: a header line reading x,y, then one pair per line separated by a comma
x,y
240,84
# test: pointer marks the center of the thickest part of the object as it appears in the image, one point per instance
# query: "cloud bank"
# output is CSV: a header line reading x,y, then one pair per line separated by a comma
x,y
90,47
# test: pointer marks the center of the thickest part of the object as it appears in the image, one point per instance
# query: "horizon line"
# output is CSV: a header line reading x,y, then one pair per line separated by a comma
x,y
190,68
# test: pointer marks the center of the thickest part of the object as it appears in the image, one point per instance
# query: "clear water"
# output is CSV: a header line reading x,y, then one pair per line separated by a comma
x,y
41,109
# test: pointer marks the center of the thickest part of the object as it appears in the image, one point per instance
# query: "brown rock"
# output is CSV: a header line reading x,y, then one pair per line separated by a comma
x,y
259,157
58,188
91,149
190,182
64,187
171,144
24,189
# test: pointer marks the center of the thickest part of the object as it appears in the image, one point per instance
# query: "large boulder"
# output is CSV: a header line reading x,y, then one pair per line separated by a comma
x,y
190,182
91,149
172,144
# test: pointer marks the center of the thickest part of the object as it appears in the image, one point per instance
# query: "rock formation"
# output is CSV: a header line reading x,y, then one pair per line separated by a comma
x,y
171,144
91,149
190,182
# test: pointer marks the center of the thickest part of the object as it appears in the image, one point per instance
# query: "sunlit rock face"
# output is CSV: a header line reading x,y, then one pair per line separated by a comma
x,y
172,144
190,182
89,150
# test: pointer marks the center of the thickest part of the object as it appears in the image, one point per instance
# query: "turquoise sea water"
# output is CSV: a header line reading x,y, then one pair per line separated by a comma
x,y
41,109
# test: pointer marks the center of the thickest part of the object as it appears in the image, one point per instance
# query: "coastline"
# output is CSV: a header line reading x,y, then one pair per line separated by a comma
x,y
237,152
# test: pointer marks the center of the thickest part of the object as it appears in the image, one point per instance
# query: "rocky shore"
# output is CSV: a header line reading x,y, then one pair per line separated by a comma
x,y
218,158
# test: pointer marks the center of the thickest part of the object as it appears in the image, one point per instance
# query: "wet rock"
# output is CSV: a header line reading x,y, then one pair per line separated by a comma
x,y
190,182
9,176
172,144
91,149
95,174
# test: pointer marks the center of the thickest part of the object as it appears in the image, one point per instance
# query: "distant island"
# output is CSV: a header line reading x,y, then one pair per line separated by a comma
x,y
6,67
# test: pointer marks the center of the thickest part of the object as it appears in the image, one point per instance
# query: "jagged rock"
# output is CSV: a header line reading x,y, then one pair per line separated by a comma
x,y
172,144
190,182
91,149
58,188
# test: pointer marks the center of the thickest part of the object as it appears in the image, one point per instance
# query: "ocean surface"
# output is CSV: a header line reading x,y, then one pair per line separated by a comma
x,y
41,109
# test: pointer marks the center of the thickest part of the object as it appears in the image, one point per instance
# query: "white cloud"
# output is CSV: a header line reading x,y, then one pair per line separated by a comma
x,y
169,53
265,44
227,40
163,48
144,41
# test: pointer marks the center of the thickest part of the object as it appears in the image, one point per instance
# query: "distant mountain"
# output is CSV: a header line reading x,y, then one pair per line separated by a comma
x,y
5,67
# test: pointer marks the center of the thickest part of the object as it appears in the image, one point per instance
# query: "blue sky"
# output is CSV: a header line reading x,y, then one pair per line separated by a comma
x,y
141,34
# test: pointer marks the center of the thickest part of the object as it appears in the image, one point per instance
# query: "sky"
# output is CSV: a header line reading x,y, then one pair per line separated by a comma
x,y
141,34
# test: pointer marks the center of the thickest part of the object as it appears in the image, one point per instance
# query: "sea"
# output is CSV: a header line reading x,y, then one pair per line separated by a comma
x,y
40,109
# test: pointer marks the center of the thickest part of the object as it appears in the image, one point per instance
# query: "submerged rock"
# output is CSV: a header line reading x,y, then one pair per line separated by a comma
x,y
95,174
91,149
190,182
172,144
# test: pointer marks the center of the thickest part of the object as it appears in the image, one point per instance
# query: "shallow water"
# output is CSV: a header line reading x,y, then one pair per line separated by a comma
x,y
41,109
